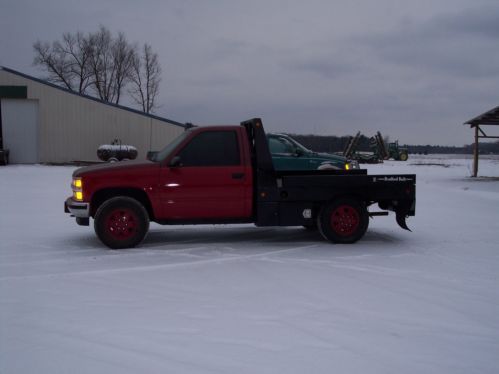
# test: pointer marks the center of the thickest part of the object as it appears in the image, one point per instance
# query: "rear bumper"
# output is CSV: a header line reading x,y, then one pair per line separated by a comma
x,y
77,209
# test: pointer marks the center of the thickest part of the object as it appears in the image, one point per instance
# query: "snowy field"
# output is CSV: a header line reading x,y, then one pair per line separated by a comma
x,y
241,299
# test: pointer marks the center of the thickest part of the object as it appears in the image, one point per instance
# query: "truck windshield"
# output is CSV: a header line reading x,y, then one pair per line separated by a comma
x,y
299,146
161,155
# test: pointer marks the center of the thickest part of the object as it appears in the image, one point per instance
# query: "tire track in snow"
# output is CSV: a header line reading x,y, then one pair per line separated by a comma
x,y
232,258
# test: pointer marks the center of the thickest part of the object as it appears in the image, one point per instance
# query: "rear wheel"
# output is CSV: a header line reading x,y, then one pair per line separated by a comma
x,y
121,222
344,220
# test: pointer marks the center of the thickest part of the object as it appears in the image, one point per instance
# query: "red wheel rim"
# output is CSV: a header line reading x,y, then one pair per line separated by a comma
x,y
345,220
121,224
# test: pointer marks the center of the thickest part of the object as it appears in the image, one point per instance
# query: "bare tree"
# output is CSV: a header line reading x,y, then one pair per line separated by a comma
x,y
111,62
123,59
77,50
145,79
57,68
66,61
102,64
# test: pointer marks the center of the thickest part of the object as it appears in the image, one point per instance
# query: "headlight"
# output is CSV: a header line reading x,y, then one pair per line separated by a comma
x,y
353,164
77,187
77,183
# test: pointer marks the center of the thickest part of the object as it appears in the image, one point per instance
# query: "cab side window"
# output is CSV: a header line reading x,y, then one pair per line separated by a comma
x,y
279,145
211,148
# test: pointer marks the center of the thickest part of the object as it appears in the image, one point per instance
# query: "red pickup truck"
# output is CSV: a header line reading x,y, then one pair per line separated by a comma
x,y
225,174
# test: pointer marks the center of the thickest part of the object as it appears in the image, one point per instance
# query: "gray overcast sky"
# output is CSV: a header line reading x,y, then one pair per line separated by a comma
x,y
415,70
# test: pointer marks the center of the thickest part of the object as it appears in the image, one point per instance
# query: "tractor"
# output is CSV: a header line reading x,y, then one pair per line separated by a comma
x,y
396,152
379,151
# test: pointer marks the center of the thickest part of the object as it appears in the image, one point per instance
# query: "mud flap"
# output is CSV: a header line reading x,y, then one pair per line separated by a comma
x,y
400,217
403,211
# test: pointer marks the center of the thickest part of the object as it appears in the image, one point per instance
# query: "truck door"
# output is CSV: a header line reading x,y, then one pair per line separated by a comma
x,y
286,157
208,179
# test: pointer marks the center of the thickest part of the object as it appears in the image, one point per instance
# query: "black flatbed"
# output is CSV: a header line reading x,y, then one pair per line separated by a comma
x,y
289,198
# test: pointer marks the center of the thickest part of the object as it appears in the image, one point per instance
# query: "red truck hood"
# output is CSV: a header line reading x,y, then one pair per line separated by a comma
x,y
114,167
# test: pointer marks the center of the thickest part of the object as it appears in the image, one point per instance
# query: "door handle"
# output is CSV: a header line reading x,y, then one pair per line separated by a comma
x,y
237,175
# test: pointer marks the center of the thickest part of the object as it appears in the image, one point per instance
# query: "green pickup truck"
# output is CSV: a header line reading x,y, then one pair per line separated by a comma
x,y
288,154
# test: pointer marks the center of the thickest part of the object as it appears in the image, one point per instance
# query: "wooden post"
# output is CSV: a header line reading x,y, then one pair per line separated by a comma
x,y
475,153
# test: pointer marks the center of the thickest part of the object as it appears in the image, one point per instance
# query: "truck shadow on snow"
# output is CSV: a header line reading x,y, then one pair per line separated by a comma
x,y
278,237
271,238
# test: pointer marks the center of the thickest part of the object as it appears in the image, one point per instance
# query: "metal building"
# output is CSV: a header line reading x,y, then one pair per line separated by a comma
x,y
44,123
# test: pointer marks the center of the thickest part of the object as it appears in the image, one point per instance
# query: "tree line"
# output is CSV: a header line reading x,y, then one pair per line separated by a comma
x,y
103,65
333,144
484,148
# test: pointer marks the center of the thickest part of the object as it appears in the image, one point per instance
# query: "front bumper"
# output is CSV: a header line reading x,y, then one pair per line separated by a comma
x,y
77,209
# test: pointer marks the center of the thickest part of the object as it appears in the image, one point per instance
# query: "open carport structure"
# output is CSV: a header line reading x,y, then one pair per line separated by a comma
x,y
490,118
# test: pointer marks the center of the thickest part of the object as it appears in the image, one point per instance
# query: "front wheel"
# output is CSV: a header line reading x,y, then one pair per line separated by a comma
x,y
403,157
121,222
344,220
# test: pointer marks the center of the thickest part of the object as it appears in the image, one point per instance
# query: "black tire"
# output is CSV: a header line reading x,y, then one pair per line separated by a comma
x,y
121,222
344,220
403,156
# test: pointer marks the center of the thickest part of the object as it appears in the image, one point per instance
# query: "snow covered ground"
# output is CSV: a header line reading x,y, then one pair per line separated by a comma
x,y
241,299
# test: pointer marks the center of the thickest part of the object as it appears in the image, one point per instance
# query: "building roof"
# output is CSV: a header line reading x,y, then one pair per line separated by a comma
x,y
488,118
38,80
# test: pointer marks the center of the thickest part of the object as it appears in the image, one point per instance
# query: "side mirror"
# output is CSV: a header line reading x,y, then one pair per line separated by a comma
x,y
174,162
298,152
151,155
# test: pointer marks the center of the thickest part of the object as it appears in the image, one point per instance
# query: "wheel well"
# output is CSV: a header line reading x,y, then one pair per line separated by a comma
x,y
101,196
